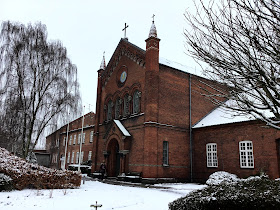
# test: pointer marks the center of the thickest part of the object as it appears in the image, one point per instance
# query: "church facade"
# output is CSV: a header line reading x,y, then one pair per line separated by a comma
x,y
147,121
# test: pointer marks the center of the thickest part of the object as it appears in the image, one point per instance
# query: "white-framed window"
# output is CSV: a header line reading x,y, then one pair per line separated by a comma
x,y
211,154
82,156
77,157
246,154
64,141
74,141
72,158
70,140
57,143
165,153
84,138
89,155
79,138
68,157
91,137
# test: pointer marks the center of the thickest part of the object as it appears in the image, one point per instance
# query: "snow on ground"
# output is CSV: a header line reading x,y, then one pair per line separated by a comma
x,y
110,196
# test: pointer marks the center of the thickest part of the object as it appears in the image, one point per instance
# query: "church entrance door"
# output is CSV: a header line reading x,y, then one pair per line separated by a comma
x,y
113,162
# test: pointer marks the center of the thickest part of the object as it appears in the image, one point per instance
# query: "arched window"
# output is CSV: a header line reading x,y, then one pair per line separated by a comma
x,y
126,105
117,108
109,110
136,102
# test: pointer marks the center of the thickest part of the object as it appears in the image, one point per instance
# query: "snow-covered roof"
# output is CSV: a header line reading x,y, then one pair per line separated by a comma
x,y
179,66
221,115
122,128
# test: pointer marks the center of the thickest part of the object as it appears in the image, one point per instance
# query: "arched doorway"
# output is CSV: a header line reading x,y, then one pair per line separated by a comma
x,y
113,161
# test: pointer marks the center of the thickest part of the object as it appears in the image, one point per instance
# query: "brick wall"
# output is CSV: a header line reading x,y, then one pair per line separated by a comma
x,y
227,138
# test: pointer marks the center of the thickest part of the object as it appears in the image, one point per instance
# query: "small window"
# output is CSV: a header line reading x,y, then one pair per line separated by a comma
x,y
68,157
91,137
70,140
89,155
211,153
82,157
84,138
72,158
74,141
165,153
79,138
246,154
77,158
64,141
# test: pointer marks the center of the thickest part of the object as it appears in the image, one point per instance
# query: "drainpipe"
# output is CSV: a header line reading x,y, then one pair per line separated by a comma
x,y
190,129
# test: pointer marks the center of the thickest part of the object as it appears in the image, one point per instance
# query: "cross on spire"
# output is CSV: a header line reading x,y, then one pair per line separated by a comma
x,y
125,27
153,18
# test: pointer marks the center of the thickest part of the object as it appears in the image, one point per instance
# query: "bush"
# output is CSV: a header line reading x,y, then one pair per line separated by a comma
x,y
253,193
5,183
222,177
24,174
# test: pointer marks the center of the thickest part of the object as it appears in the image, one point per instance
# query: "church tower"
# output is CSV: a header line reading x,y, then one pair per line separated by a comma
x,y
98,110
151,103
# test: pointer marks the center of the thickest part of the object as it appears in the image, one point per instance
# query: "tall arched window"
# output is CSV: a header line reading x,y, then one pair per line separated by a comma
x,y
136,102
109,110
126,105
117,108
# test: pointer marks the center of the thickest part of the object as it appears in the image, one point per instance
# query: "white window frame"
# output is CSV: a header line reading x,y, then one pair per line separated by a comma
x,y
64,141
84,138
91,137
89,155
68,157
212,155
79,138
82,156
246,154
74,141
77,157
73,156
70,140
165,153
57,143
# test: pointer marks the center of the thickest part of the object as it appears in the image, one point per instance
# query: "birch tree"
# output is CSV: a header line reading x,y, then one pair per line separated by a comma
x,y
38,83
240,42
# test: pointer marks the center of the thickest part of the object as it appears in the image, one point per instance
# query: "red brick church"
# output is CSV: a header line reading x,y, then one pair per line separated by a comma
x,y
151,118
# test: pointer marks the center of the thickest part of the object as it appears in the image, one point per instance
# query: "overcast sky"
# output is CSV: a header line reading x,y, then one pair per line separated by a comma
x,y
87,28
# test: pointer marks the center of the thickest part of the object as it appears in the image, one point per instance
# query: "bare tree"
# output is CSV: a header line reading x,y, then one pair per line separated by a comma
x,y
240,42
38,83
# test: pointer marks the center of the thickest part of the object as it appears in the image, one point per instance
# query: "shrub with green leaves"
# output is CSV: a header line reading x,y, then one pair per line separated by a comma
x,y
256,193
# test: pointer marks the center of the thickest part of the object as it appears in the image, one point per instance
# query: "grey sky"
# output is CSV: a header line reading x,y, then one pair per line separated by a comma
x,y
87,28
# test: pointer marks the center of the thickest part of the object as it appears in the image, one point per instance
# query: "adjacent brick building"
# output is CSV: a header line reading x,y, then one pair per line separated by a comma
x,y
56,142
149,119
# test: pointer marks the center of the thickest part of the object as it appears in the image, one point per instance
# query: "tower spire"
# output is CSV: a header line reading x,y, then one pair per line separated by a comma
x,y
153,30
103,63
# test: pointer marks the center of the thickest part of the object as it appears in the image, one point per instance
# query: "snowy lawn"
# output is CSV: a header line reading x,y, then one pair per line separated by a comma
x,y
110,196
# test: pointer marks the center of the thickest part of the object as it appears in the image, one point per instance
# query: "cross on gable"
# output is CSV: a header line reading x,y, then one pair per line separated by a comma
x,y
125,27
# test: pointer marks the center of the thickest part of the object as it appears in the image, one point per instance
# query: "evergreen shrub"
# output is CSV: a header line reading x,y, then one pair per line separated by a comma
x,y
256,193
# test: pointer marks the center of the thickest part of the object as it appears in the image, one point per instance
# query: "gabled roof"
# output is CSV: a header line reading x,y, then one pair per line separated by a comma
x,y
221,116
